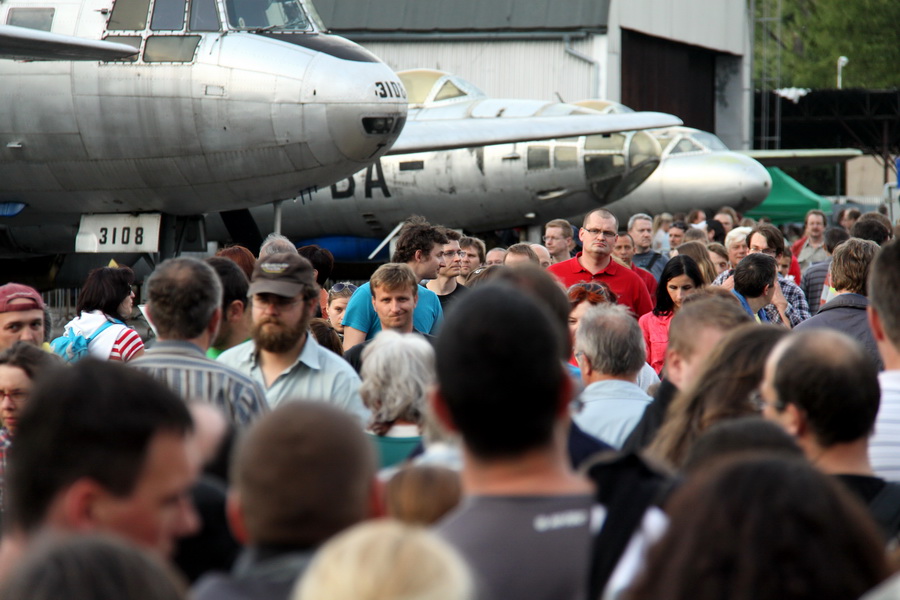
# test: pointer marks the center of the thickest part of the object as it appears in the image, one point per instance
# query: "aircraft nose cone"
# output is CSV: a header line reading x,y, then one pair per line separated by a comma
x,y
756,184
364,105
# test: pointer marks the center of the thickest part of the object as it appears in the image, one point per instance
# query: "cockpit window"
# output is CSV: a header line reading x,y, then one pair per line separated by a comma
x,y
128,15
267,14
684,145
430,85
448,90
168,15
709,140
204,16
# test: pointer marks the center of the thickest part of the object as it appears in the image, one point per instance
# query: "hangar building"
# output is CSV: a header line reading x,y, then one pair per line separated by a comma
x,y
690,58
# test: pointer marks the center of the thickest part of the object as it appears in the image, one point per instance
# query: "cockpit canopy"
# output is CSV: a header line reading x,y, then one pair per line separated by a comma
x,y
278,15
686,140
429,86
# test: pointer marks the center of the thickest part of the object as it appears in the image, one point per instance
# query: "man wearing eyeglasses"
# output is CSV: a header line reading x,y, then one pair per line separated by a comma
x,y
788,306
594,263
445,284
281,356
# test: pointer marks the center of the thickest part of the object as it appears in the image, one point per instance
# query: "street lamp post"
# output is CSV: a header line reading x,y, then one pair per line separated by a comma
x,y
841,63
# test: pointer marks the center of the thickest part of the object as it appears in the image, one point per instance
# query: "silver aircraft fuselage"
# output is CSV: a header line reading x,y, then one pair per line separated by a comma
x,y
675,169
202,120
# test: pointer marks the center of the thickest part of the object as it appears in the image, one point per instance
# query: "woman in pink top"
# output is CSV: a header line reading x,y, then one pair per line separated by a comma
x,y
680,278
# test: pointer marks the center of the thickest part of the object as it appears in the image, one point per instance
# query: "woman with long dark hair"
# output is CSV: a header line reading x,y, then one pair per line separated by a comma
x,y
763,527
680,278
105,302
720,391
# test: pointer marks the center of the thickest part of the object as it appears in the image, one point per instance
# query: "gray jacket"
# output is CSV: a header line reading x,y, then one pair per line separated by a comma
x,y
847,313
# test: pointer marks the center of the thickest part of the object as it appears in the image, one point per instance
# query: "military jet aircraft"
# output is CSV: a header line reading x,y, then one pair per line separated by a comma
x,y
672,169
223,105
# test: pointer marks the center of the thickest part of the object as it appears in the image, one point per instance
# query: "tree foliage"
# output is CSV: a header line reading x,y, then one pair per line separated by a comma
x,y
814,33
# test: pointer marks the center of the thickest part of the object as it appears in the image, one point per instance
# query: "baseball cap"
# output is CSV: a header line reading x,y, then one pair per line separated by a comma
x,y
13,296
283,274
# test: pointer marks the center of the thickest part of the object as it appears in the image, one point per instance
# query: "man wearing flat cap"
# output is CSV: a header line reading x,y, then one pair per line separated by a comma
x,y
281,355
21,315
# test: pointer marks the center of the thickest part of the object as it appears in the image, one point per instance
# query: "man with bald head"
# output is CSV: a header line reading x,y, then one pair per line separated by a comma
x,y
595,263
822,387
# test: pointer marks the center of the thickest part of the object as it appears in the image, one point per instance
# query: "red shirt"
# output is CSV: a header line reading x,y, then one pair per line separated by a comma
x,y
629,288
648,279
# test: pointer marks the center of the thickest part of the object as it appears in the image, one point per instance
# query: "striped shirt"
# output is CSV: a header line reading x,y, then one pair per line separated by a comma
x,y
188,372
884,445
127,344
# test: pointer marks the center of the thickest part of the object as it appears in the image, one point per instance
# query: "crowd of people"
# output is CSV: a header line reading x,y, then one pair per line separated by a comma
x,y
624,411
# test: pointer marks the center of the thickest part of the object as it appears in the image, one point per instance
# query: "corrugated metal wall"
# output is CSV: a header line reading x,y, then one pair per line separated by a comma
x,y
659,74
532,69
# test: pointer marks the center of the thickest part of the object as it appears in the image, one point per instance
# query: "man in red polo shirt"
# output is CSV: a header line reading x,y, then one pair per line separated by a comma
x,y
594,263
623,249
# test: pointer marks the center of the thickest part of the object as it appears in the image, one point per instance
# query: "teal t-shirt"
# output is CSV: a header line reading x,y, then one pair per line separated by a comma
x,y
360,313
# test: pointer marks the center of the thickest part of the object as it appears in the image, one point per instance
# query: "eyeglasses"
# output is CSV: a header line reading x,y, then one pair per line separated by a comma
x,y
596,232
767,251
340,287
14,395
454,254
758,402
275,301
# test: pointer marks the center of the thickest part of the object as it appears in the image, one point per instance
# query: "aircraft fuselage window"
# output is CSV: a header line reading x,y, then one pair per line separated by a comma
x,y
257,14
168,15
131,40
204,16
129,15
32,18
641,148
538,157
612,141
170,48
565,157
600,167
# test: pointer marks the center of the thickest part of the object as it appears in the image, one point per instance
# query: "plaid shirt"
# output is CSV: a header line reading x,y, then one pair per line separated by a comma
x,y
797,309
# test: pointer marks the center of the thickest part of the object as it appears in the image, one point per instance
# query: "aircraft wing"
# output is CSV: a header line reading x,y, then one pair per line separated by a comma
x,y
20,43
791,158
446,134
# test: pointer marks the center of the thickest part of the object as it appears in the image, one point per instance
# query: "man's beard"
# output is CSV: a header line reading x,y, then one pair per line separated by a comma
x,y
280,339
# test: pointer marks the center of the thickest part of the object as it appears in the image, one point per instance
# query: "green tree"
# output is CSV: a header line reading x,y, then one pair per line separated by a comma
x,y
814,33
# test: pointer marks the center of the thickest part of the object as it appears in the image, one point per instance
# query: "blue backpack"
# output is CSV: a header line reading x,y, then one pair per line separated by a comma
x,y
74,346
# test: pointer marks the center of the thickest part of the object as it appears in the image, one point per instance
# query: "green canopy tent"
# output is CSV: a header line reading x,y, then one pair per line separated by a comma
x,y
788,201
